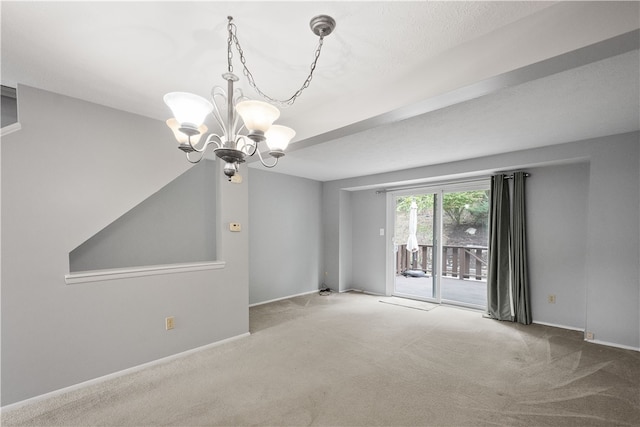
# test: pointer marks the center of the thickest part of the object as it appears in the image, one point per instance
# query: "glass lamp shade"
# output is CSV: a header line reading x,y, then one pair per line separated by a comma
x,y
278,137
188,108
184,138
257,115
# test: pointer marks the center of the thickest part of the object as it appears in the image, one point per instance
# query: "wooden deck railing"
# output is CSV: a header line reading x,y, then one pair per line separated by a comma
x,y
463,262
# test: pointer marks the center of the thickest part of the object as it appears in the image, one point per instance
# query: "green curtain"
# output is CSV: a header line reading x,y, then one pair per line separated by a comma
x,y
499,274
520,279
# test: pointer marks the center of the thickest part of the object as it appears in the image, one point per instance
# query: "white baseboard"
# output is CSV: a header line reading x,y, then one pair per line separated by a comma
x,y
555,325
362,292
610,344
282,298
599,342
113,375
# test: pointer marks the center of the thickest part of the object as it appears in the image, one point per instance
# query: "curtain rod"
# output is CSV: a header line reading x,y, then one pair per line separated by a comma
x,y
526,175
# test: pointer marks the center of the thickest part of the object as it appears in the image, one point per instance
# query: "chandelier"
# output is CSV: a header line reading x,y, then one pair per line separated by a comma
x,y
237,140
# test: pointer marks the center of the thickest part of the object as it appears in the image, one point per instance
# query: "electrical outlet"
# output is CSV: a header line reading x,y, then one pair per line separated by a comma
x,y
588,336
551,299
235,226
169,322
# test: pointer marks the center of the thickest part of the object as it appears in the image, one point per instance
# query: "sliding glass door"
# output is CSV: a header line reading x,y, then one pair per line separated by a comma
x,y
415,258
440,244
464,248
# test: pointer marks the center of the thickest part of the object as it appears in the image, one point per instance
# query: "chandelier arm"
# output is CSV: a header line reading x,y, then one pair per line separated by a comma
x,y
283,103
266,165
209,140
196,149
252,144
198,158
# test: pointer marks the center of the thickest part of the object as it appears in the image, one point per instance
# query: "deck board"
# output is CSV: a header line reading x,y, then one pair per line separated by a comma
x,y
465,292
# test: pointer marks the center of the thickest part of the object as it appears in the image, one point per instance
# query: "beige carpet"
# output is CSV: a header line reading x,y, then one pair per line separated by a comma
x,y
347,359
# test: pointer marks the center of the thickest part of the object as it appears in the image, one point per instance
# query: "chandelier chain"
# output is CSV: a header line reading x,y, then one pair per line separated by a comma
x,y
233,39
230,27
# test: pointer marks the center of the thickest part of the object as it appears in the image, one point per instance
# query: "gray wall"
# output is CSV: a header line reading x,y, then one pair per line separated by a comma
x,y
346,241
368,216
285,250
557,207
331,235
605,239
175,225
66,188
613,312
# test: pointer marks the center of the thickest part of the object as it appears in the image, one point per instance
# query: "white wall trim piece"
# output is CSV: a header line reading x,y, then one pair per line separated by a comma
x,y
287,297
13,127
114,375
125,273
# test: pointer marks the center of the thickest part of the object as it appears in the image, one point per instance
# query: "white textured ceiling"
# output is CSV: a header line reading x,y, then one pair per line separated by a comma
x,y
382,59
594,100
